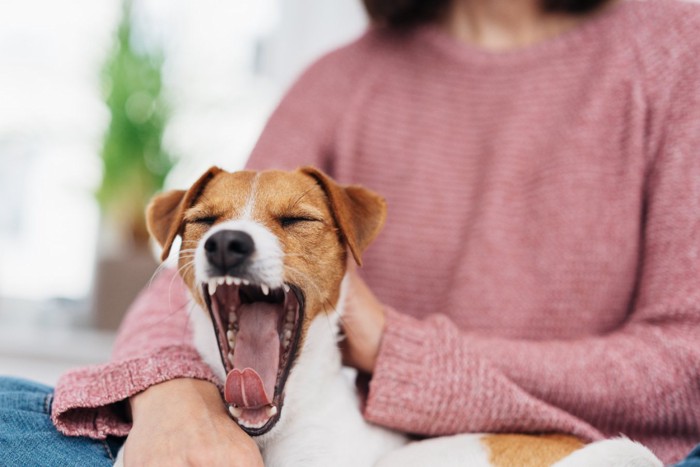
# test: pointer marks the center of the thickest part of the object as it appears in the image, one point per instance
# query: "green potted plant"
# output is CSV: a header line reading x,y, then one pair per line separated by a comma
x,y
135,165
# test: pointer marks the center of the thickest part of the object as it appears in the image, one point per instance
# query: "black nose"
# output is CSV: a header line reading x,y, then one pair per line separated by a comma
x,y
228,249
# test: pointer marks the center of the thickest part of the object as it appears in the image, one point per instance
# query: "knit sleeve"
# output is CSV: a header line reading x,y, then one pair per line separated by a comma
x,y
153,345
641,380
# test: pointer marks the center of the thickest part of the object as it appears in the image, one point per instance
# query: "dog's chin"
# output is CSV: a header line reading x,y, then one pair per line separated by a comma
x,y
257,330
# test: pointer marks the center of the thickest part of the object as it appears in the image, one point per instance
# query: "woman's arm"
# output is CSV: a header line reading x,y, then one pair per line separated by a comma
x,y
199,432
641,380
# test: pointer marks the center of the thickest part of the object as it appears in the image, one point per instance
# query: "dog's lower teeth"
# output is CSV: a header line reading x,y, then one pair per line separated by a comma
x,y
272,411
235,411
231,336
230,358
232,318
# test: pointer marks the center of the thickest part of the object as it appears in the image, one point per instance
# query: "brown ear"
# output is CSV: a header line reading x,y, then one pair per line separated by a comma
x,y
359,212
166,211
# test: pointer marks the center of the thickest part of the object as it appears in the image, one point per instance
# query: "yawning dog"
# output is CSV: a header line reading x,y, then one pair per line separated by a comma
x,y
264,257
264,254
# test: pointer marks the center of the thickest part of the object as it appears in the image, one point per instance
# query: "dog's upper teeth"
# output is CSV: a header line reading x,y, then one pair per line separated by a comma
x,y
265,289
212,286
237,281
221,280
235,411
246,282
229,280
271,410
286,288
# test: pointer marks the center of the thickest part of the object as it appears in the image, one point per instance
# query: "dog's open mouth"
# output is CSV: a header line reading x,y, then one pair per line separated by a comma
x,y
257,329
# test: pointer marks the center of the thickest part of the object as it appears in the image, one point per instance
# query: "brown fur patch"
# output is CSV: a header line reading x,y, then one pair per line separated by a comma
x,y
509,450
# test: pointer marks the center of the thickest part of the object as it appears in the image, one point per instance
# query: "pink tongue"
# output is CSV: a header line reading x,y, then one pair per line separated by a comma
x,y
251,383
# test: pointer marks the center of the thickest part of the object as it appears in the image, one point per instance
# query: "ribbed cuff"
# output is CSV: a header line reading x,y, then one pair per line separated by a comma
x,y
90,401
397,374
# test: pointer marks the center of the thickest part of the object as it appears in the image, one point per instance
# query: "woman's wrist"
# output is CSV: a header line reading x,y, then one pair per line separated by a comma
x,y
363,322
188,392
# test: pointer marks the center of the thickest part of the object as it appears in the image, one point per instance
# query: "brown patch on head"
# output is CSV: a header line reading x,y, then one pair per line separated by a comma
x,y
508,450
165,213
359,213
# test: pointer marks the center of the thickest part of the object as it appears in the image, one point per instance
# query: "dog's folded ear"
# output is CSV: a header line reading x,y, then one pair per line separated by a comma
x,y
359,213
166,211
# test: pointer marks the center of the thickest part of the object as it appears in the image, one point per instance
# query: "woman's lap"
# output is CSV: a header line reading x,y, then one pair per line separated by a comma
x,y
28,437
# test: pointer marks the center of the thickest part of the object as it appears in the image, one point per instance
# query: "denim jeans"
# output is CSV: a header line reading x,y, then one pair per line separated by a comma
x,y
28,438
693,459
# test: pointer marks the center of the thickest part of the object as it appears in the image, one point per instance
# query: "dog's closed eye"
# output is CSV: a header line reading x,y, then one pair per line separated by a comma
x,y
289,221
205,220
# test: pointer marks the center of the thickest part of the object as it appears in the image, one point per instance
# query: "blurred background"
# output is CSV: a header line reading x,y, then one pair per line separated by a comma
x,y
101,105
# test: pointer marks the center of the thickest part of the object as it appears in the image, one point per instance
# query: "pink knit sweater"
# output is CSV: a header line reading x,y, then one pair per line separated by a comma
x,y
541,259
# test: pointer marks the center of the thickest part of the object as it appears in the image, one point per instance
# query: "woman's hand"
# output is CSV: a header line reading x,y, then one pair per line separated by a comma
x,y
183,422
363,323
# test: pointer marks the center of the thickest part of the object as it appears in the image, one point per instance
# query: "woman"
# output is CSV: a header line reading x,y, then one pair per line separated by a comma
x,y
538,271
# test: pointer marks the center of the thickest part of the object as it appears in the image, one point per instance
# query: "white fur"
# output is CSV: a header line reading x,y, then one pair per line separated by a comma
x,y
618,452
445,451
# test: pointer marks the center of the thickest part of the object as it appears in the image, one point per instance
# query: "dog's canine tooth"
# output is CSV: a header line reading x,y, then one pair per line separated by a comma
x,y
235,411
286,288
265,289
229,280
212,286
271,410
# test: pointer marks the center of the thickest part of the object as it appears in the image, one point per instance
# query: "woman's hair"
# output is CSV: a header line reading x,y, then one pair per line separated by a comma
x,y
400,13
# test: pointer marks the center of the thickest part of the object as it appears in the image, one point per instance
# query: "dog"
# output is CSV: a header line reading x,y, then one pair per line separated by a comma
x,y
264,257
